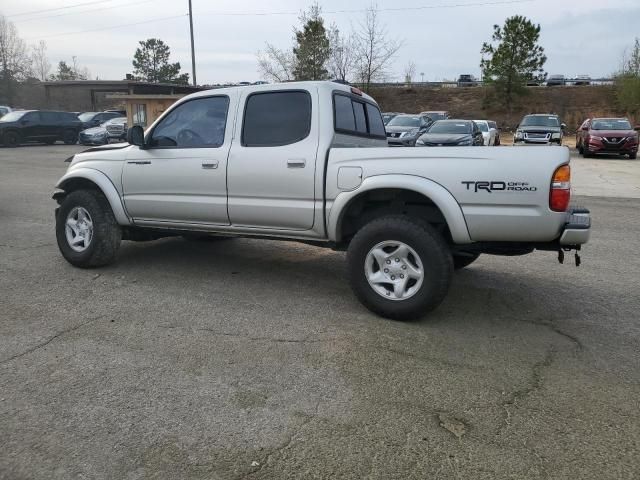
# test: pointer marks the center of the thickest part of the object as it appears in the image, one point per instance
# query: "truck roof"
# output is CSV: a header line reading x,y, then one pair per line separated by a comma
x,y
327,85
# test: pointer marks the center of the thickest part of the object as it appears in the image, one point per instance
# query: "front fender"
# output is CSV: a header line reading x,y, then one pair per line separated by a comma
x,y
439,195
104,184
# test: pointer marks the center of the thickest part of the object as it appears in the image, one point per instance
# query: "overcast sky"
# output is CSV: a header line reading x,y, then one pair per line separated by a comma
x,y
579,36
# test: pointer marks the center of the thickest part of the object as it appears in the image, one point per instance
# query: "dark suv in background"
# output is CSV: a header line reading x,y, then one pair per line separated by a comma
x,y
539,129
39,126
94,119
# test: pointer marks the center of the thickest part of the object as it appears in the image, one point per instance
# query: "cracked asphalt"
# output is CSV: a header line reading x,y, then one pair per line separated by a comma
x,y
252,359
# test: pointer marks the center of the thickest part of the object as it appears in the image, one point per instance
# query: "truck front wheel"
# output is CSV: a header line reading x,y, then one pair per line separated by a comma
x,y
86,230
399,267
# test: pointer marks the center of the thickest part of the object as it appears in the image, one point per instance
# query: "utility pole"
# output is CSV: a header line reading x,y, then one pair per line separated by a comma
x,y
193,52
422,75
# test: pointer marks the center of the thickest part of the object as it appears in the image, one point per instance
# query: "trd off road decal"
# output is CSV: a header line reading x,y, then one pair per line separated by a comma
x,y
490,187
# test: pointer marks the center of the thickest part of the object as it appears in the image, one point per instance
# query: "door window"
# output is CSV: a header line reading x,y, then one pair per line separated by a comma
x,y
276,118
197,123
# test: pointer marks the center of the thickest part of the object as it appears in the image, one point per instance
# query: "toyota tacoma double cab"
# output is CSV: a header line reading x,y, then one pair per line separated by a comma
x,y
309,162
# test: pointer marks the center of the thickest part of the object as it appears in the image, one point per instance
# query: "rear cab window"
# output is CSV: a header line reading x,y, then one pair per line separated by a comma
x,y
353,115
276,118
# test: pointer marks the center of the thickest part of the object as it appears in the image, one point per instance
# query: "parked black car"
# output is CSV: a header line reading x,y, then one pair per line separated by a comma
x,y
451,133
38,126
93,119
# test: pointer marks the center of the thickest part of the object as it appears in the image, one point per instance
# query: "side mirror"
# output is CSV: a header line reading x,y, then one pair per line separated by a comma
x,y
135,136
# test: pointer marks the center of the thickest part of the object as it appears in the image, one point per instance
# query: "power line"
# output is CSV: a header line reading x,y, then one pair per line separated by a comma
x,y
392,9
125,5
58,8
109,28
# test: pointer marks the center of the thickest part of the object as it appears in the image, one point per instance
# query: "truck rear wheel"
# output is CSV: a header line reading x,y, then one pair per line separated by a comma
x,y
399,267
86,230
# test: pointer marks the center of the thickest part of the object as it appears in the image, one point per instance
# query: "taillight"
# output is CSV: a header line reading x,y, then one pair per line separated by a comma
x,y
560,194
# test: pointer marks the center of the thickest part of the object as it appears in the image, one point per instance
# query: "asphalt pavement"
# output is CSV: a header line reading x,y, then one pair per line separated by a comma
x,y
252,359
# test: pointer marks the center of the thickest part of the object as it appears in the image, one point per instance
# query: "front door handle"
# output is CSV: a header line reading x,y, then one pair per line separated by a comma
x,y
210,165
296,163
139,162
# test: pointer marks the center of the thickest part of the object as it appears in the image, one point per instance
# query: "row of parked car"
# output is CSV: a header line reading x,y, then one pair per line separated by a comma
x,y
46,126
436,129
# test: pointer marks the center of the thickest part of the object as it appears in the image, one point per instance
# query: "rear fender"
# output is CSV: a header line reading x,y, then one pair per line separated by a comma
x,y
439,195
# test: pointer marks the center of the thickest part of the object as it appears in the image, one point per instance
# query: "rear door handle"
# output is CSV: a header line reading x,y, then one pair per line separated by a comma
x,y
139,162
210,165
296,163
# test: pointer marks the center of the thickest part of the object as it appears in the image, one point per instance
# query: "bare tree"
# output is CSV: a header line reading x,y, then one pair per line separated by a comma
x,y
15,63
80,73
341,59
276,65
374,50
41,65
409,72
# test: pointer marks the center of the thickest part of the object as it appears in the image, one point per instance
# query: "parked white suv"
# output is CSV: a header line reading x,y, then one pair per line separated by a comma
x,y
309,162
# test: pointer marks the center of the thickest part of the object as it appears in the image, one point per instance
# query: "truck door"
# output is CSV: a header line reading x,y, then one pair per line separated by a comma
x,y
272,163
180,175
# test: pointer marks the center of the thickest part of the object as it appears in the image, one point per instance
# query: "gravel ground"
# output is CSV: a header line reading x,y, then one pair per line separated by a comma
x,y
247,358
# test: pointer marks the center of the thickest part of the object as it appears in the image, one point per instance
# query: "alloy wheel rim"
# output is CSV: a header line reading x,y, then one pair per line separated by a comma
x,y
394,270
79,229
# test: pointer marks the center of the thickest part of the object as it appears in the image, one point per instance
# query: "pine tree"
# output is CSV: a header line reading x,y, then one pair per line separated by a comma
x,y
151,63
312,48
515,59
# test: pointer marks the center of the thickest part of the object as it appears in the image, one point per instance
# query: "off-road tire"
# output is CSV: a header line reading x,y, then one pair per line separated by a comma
x,y
434,254
461,261
11,139
107,234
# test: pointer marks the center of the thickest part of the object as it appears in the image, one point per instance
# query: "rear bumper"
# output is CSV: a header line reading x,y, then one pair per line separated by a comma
x,y
577,229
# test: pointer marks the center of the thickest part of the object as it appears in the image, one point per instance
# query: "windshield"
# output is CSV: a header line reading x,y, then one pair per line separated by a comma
x,y
540,121
85,117
483,126
450,127
12,116
404,122
611,124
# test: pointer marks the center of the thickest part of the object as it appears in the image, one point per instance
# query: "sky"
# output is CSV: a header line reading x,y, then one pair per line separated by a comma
x,y
442,37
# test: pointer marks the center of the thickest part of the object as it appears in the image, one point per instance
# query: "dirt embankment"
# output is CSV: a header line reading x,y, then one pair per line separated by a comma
x,y
573,104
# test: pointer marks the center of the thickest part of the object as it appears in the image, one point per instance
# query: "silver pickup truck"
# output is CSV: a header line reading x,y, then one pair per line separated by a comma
x,y
309,162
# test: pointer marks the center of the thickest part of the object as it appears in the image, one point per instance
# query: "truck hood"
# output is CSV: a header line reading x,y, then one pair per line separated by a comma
x,y
109,152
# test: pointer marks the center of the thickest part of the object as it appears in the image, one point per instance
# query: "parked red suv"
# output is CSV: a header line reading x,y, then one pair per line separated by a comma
x,y
607,135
